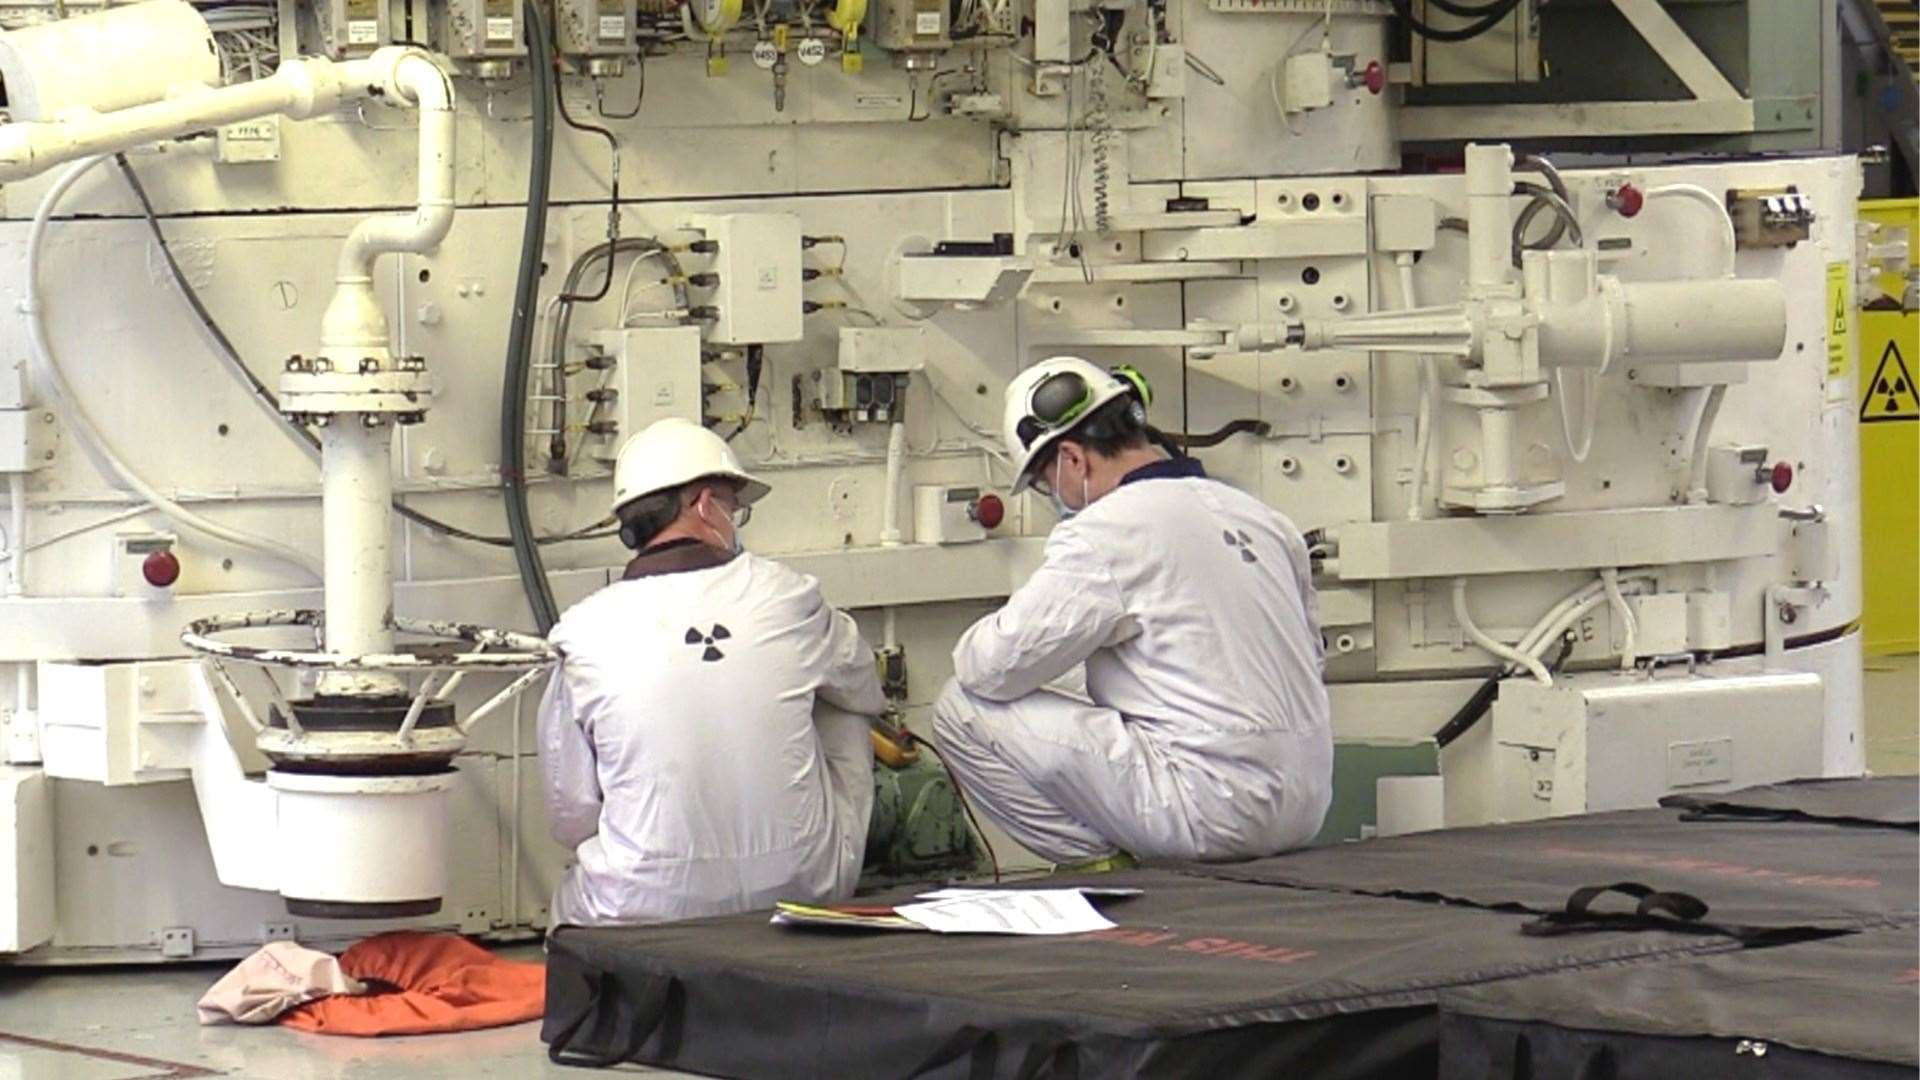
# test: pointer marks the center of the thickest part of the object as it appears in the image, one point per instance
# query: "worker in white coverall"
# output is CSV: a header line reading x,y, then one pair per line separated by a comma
x,y
1191,606
704,740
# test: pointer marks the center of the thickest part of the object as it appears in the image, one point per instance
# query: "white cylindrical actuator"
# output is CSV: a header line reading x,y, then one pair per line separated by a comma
x,y
113,59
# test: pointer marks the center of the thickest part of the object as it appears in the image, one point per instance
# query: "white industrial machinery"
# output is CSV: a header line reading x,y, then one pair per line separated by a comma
x,y
1575,448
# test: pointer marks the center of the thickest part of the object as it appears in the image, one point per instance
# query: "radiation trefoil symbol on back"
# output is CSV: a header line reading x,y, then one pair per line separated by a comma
x,y
1239,539
708,639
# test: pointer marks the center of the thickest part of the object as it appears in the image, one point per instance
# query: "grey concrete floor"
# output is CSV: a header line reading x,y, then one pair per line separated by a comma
x,y
138,1024
1893,715
123,1024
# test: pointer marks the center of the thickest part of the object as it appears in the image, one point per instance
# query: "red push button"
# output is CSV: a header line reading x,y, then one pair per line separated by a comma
x,y
1627,200
160,568
1375,77
1781,477
989,511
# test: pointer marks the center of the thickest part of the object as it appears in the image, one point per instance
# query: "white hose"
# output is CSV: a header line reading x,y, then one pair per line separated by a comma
x,y
1429,395
56,386
1578,446
1505,652
890,499
1702,195
1629,628
1697,449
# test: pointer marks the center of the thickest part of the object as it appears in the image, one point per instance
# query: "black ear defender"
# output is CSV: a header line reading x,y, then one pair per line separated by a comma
x,y
630,537
1137,388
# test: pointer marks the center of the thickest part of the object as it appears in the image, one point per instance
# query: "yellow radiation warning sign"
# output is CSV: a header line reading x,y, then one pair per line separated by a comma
x,y
1889,395
1839,318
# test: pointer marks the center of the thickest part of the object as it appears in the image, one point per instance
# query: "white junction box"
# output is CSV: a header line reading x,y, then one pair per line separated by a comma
x,y
758,263
870,349
656,374
1660,623
946,514
1609,741
1738,475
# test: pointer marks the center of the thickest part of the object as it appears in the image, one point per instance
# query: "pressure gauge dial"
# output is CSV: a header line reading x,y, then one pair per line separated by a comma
x,y
716,17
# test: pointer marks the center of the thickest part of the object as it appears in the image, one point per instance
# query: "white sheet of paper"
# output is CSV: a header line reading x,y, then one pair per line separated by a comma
x,y
1098,892
1018,911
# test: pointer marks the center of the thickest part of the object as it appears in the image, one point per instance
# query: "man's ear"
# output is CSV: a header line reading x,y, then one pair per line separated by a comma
x,y
1072,453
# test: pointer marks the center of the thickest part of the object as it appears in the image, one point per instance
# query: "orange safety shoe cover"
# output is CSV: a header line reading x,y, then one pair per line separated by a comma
x,y
443,982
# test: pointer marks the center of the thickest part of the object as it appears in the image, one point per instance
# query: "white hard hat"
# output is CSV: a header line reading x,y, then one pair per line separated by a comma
x,y
1050,398
673,452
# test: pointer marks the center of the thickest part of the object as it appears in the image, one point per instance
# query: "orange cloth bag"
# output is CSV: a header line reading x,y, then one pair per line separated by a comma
x,y
442,983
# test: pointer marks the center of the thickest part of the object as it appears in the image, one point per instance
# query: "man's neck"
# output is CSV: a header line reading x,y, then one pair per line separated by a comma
x,y
687,526
1109,471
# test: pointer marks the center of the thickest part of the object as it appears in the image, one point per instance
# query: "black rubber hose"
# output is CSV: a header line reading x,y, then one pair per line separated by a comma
x,y
519,366
1222,434
1486,22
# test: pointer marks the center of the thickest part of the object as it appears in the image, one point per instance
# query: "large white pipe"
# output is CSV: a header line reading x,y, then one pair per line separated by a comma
x,y
300,88
356,495
108,60
353,322
1666,322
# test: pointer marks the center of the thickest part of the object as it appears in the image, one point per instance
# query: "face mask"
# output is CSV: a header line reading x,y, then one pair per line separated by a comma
x,y
1060,506
738,519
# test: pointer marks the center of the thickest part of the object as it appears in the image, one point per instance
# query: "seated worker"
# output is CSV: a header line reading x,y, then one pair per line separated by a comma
x,y
704,738
1191,605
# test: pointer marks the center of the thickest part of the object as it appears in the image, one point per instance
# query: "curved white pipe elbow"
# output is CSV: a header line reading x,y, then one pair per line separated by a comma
x,y
353,317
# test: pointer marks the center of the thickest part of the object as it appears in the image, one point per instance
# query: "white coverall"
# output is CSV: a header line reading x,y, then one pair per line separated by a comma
x,y
705,746
1208,737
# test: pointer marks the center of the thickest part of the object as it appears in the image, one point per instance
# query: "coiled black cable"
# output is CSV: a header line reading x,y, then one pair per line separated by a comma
x,y
1485,19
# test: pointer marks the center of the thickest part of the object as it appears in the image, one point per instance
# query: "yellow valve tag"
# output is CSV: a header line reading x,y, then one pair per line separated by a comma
x,y
850,61
780,31
716,65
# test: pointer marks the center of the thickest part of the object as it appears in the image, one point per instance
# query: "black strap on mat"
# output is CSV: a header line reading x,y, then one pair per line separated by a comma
x,y
1711,811
1054,1059
661,1000
1673,912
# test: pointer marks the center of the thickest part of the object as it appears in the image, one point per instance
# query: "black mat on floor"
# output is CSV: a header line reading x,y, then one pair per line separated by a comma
x,y
1881,802
1205,978
1843,1007
1755,873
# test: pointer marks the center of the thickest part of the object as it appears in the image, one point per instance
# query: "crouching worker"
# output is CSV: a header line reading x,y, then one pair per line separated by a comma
x,y
705,739
1191,605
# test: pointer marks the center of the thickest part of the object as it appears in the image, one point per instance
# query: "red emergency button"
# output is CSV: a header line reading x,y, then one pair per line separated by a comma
x,y
161,568
989,511
1627,200
1375,77
1781,477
